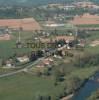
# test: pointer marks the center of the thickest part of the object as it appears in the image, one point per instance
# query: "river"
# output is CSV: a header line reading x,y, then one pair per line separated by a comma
x,y
91,86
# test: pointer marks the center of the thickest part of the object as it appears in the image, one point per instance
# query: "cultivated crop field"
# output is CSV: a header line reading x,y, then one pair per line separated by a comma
x,y
86,19
27,24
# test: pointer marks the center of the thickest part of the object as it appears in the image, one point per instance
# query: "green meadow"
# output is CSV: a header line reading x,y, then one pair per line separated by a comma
x,y
8,48
27,87
24,86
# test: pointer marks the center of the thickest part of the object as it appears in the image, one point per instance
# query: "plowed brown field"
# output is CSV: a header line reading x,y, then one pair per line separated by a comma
x,y
86,19
27,24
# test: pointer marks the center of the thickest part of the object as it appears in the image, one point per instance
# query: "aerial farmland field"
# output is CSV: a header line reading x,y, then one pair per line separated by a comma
x,y
26,24
49,52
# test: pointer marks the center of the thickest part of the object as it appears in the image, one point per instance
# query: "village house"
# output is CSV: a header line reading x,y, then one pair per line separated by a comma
x,y
57,38
67,7
5,36
68,40
86,5
81,43
62,6
45,63
23,59
9,64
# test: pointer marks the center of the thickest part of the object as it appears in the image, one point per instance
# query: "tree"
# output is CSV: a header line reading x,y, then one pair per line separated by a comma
x,y
43,97
94,96
38,97
1,62
72,84
58,75
46,72
40,53
83,34
33,56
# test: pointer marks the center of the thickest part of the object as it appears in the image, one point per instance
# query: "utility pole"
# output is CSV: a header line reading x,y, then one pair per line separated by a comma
x,y
76,33
19,43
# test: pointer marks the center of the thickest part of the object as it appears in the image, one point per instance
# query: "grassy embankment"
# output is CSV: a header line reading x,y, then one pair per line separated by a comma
x,y
27,87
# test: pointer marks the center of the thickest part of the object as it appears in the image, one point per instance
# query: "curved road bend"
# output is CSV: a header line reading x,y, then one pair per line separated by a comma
x,y
21,70
27,67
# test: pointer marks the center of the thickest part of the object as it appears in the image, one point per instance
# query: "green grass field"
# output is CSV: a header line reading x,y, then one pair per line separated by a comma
x,y
27,87
84,73
24,34
8,48
93,35
89,26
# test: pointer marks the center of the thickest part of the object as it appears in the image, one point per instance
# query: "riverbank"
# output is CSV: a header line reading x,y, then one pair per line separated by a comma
x,y
68,97
84,90
85,79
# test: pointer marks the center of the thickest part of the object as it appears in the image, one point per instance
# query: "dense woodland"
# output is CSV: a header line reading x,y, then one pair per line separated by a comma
x,y
32,2
40,13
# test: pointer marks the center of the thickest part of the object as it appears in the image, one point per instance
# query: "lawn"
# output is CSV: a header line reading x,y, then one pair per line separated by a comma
x,y
8,48
92,50
89,26
93,35
27,87
84,73
24,34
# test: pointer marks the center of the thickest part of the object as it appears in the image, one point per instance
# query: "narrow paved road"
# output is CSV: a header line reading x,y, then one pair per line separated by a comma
x,y
27,67
21,70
